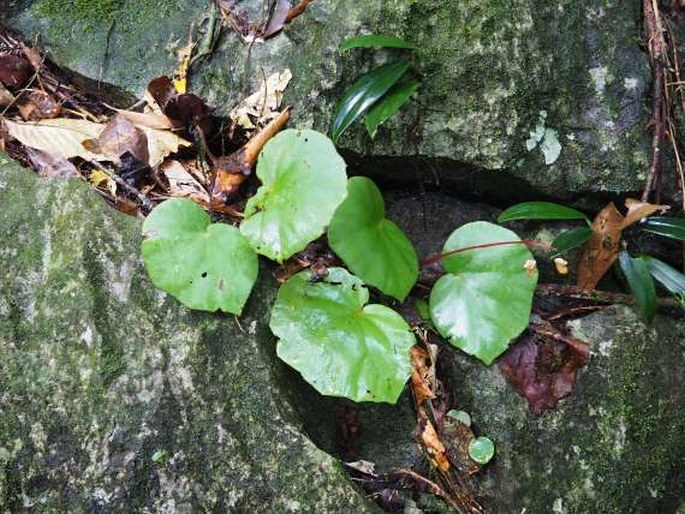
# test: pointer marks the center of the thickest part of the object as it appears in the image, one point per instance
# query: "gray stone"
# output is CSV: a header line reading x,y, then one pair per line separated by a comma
x,y
489,69
115,398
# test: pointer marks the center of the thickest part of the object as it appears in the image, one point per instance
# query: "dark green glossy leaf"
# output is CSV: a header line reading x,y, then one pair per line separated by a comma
x,y
640,281
669,277
387,106
669,227
364,93
340,345
206,266
375,41
481,450
303,182
540,211
485,299
373,247
570,239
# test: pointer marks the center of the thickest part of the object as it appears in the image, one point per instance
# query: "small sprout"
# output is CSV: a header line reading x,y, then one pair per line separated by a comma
x,y
160,456
481,450
561,265
460,415
530,266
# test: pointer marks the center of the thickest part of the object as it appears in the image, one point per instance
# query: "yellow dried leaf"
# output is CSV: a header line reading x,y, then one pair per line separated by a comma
x,y
561,266
181,73
530,266
60,136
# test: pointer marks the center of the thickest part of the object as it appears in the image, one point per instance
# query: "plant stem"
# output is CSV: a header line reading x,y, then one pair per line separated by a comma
x,y
531,243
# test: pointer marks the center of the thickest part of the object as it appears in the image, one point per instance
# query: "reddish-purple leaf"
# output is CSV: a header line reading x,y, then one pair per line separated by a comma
x,y
278,18
15,71
542,366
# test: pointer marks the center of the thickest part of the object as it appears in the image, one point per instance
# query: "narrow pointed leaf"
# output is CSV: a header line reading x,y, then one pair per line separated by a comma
x,y
207,266
373,247
540,211
303,182
484,300
641,284
387,106
340,345
364,93
570,239
669,227
669,277
375,41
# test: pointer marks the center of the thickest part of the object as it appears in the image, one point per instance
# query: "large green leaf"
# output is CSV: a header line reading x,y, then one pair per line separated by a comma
x,y
206,266
669,227
667,276
540,211
303,182
387,106
484,300
640,281
570,239
364,93
339,345
375,41
373,247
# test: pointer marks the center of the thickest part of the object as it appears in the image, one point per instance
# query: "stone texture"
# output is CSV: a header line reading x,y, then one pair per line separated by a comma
x,y
115,398
488,69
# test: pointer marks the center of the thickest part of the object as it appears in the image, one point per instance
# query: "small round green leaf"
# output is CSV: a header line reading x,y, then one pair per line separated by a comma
x,y
373,247
485,299
460,415
339,345
481,450
206,266
303,182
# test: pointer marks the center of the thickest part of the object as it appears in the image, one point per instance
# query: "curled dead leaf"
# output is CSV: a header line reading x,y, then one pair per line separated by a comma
x,y
601,250
181,182
118,137
6,98
423,375
531,267
50,165
434,447
38,105
15,72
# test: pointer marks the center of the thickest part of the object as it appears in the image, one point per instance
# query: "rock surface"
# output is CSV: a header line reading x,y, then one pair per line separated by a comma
x,y
115,398
489,69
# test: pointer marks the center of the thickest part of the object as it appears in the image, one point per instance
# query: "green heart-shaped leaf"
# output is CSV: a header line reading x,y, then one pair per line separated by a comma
x,y
303,182
206,266
485,299
373,247
339,345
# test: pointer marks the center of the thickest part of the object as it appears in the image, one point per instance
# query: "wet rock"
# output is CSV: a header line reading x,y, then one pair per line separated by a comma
x,y
115,398
493,75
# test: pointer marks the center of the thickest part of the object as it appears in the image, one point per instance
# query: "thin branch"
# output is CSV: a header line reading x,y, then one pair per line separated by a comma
x,y
531,243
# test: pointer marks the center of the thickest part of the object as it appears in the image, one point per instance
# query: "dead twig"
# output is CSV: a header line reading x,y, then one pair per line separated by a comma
x,y
593,295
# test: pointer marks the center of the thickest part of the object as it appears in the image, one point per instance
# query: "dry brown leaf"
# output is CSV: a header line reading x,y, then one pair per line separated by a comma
x,y
61,136
422,372
147,119
159,93
601,250
50,165
6,98
38,105
181,182
118,137
456,437
434,447
638,210
264,105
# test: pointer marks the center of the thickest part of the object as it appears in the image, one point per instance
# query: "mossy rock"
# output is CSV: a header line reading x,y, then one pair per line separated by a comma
x,y
488,70
115,398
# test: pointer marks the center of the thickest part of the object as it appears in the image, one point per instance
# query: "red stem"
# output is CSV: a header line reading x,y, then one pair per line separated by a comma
x,y
533,243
